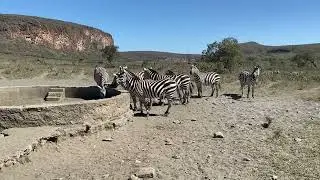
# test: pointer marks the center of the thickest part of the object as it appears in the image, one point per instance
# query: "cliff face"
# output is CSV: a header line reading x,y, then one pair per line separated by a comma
x,y
52,34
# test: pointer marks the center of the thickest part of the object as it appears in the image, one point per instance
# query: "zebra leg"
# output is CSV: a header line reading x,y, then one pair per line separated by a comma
x,y
252,91
134,100
242,90
169,106
248,91
141,110
212,89
179,94
200,92
217,89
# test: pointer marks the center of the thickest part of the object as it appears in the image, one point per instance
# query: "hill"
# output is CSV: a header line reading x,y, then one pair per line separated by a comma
x,y
56,39
36,36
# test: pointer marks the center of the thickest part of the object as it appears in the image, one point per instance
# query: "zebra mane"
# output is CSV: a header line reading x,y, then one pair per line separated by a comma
x,y
133,75
153,71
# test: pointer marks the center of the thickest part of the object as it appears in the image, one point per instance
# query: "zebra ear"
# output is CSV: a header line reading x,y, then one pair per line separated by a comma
x,y
145,69
114,74
150,68
125,67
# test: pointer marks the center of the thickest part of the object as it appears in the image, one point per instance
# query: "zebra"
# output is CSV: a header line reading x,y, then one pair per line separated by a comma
x,y
101,77
169,72
147,89
183,82
207,79
249,79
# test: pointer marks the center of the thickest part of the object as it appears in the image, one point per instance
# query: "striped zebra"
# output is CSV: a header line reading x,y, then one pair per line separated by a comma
x,y
101,77
207,79
146,90
249,79
183,82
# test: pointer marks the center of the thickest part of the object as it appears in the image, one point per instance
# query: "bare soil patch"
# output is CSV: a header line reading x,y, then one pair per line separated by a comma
x,y
289,147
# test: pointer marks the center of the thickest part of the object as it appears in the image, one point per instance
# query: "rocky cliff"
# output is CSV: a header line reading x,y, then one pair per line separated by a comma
x,y
28,34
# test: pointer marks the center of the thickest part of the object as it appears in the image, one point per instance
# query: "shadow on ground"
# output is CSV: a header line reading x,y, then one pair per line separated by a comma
x,y
233,96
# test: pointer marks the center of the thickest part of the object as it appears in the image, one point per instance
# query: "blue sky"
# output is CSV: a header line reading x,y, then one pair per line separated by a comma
x,y
184,26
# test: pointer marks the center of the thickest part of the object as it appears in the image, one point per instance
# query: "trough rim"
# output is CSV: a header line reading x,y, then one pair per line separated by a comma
x,y
92,101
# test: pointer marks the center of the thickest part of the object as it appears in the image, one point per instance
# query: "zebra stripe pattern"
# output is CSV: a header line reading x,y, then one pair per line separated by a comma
x,y
249,79
146,90
207,79
101,77
183,82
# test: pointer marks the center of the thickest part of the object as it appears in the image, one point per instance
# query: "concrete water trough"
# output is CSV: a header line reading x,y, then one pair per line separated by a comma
x,y
30,106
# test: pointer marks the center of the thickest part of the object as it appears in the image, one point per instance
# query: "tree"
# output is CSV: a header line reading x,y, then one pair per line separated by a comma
x,y
227,52
303,59
109,52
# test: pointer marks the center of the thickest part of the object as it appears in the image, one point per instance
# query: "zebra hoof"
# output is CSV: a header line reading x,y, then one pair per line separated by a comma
x,y
166,114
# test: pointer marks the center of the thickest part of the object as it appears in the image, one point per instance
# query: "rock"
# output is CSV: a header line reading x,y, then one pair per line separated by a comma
x,y
176,157
177,122
246,159
28,149
1,136
274,177
109,139
297,139
1,165
265,125
218,135
105,176
138,162
8,163
146,172
184,142
193,119
133,177
168,142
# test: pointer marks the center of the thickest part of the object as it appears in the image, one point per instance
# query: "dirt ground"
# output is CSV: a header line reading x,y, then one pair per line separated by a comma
x,y
288,148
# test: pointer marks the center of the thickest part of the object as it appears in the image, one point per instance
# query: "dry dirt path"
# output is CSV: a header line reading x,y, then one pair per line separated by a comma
x,y
289,148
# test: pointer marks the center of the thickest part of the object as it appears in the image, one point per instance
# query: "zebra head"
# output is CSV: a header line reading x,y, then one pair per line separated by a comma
x,y
194,70
147,73
256,70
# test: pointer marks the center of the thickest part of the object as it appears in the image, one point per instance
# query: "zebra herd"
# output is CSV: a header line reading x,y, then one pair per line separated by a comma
x,y
148,84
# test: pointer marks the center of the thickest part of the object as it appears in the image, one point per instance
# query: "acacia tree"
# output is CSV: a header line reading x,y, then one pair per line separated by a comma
x,y
225,53
109,53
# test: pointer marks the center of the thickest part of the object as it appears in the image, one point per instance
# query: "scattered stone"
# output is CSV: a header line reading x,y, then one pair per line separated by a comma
x,y
184,142
297,139
246,159
193,119
176,157
133,177
1,165
1,136
177,122
105,176
8,163
274,177
265,125
232,126
28,149
109,139
218,135
138,162
146,172
168,142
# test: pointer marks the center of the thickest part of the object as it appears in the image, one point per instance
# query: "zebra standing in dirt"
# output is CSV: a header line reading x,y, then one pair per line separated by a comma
x,y
183,82
147,89
249,79
101,77
207,79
